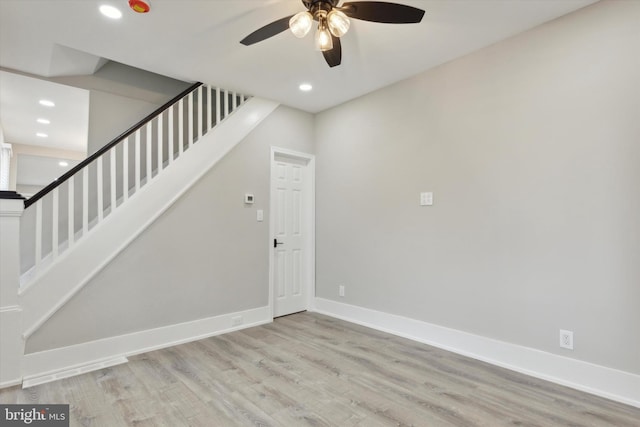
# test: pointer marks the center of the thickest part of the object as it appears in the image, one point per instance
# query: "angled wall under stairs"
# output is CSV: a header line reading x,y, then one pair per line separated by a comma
x,y
56,283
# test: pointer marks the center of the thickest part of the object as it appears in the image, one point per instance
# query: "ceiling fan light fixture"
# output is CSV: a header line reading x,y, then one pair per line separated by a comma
x,y
300,24
324,40
334,19
338,23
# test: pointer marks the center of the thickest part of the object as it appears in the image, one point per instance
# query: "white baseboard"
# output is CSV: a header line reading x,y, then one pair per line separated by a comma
x,y
72,371
50,365
610,383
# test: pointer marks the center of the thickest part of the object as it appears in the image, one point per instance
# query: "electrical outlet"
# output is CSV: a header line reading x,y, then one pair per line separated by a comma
x,y
236,321
341,290
566,339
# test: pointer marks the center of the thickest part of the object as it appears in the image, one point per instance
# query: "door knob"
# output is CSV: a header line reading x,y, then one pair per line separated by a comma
x,y
276,243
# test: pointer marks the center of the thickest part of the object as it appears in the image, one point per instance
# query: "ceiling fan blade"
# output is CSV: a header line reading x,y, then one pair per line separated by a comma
x,y
380,11
334,56
269,30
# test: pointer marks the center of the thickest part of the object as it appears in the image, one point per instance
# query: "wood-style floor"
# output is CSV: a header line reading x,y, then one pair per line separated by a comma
x,y
308,369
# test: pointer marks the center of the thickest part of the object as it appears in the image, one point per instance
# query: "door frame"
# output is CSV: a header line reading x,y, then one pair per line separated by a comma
x,y
310,212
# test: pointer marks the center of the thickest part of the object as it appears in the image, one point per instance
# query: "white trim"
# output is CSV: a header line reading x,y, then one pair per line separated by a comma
x,y
72,372
11,208
5,163
311,261
599,380
53,364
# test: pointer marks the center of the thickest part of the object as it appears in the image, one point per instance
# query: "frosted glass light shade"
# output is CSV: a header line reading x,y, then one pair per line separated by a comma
x,y
300,24
338,23
323,39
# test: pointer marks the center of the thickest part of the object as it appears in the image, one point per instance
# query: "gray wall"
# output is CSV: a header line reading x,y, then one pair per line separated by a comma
x,y
112,114
532,150
121,96
204,257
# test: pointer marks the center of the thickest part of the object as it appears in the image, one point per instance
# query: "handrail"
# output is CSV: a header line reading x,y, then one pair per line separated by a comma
x,y
40,194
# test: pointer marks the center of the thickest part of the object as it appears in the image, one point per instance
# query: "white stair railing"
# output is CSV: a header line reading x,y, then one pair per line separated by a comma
x,y
64,212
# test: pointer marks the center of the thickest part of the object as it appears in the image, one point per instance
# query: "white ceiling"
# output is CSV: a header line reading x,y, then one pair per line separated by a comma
x,y
198,40
20,108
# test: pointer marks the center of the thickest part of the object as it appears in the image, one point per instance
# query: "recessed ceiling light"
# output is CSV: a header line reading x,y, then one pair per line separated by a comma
x,y
47,103
110,11
42,135
43,121
63,164
305,87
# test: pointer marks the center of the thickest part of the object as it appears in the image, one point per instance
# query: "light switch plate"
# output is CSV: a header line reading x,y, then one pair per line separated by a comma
x,y
426,199
260,215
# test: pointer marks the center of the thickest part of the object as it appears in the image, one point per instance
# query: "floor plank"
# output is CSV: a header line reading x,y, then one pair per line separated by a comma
x,y
313,370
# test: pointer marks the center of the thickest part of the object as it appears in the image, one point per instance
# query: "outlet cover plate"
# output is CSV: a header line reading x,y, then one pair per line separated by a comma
x,y
566,339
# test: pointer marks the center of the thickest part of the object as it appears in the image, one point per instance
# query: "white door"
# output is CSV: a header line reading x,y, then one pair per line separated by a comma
x,y
292,235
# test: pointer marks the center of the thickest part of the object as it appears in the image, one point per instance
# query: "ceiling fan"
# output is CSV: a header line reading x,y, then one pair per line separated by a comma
x,y
333,22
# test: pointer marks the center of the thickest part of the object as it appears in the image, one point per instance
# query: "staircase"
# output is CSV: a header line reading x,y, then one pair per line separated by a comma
x,y
74,227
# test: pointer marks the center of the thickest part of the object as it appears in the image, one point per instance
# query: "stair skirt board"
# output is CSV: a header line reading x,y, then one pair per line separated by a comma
x,y
74,269
52,365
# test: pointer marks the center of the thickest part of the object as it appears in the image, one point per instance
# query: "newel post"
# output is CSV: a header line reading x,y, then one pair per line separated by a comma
x,y
12,347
